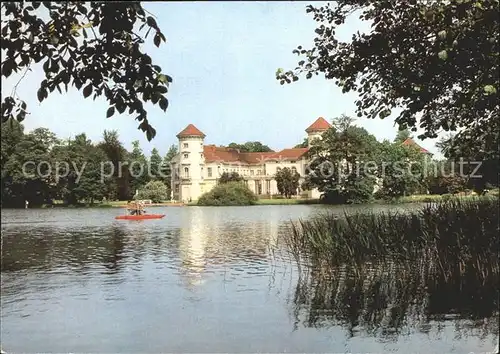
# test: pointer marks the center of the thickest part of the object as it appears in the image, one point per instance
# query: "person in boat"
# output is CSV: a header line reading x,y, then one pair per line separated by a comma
x,y
136,208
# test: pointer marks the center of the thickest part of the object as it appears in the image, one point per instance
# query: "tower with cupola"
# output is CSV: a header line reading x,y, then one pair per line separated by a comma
x,y
190,163
316,130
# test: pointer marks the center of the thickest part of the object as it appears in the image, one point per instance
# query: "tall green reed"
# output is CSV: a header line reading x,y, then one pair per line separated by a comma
x,y
448,238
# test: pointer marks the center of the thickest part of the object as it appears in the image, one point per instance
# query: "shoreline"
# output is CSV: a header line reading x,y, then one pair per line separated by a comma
x,y
419,198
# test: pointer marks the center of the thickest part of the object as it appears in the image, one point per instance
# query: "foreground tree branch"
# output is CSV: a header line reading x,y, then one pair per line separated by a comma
x,y
110,63
438,60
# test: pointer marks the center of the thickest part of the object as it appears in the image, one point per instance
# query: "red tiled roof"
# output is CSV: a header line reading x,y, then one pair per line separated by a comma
x,y
223,154
215,153
319,125
411,142
255,157
289,154
190,130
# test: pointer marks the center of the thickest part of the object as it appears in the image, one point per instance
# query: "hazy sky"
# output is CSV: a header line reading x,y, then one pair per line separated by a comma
x,y
222,57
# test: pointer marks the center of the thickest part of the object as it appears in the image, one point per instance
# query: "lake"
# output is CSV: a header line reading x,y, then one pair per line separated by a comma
x,y
203,279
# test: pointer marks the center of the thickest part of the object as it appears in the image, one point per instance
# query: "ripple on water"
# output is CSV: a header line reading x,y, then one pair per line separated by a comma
x,y
201,279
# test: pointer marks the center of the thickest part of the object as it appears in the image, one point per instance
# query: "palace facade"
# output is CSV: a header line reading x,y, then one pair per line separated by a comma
x,y
197,167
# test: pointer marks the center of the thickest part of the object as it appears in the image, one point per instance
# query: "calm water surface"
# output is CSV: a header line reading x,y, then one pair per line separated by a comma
x,y
200,280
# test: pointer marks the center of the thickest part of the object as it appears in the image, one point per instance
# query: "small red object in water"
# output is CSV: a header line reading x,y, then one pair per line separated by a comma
x,y
139,217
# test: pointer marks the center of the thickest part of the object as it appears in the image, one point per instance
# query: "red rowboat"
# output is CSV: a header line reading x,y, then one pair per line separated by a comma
x,y
139,217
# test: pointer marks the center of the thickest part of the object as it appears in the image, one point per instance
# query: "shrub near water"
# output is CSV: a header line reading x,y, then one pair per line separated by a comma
x,y
227,194
452,237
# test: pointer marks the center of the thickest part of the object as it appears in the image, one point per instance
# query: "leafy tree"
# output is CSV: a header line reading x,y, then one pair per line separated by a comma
x,y
138,167
287,182
437,60
11,134
303,144
80,167
156,191
402,135
116,155
166,167
471,161
251,146
108,61
155,162
227,177
337,163
401,170
27,172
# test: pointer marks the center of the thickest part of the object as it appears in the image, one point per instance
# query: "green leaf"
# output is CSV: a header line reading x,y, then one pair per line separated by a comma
x,y
41,94
150,132
7,68
21,115
490,89
87,90
162,78
120,106
162,89
110,112
163,103
46,65
54,67
151,22
443,55
157,40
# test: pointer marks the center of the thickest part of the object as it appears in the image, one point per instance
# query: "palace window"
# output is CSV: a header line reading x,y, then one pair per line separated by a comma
x,y
252,172
186,156
209,171
176,188
186,145
186,171
202,173
294,170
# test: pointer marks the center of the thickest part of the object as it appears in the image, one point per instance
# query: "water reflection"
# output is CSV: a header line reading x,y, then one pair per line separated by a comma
x,y
192,247
385,300
210,243
129,287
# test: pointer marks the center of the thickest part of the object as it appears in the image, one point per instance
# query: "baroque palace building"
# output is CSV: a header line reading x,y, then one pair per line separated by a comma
x,y
197,167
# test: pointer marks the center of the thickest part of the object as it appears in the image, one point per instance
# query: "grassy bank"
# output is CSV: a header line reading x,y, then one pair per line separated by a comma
x,y
449,237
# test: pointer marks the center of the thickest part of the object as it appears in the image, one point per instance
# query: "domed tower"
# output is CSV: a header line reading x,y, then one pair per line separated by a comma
x,y
191,163
316,129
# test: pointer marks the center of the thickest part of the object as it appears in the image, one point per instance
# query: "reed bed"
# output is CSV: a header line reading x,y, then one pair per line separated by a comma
x,y
449,238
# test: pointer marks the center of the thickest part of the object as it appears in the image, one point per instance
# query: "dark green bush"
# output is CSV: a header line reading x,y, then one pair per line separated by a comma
x,y
227,194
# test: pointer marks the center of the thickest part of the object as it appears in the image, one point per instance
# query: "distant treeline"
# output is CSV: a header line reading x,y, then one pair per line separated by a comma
x,y
40,168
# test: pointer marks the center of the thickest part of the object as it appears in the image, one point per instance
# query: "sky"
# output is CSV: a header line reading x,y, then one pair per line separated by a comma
x,y
222,57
